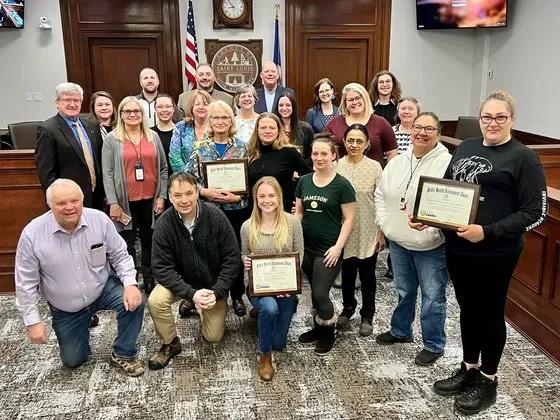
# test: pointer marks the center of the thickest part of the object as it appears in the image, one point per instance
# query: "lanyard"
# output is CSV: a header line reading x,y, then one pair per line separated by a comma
x,y
404,201
138,154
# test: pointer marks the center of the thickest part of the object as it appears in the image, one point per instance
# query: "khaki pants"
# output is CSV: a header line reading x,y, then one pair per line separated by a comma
x,y
159,305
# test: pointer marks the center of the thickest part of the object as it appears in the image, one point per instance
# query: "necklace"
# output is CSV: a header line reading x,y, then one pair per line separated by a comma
x,y
404,200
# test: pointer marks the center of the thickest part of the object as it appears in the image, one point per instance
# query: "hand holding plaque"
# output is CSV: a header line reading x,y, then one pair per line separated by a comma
x,y
274,274
228,175
445,204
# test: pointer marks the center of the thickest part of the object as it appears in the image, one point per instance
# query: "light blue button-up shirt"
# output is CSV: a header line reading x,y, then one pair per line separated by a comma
x,y
69,273
269,98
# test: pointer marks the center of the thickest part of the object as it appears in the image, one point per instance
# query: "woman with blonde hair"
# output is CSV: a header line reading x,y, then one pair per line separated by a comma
x,y
355,108
271,154
223,144
135,180
270,230
245,99
190,132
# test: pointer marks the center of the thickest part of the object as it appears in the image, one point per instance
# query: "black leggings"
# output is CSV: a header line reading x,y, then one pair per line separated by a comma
x,y
141,212
321,279
236,219
481,286
366,267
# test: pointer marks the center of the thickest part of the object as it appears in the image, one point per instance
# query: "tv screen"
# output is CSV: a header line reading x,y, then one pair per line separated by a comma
x,y
11,14
450,14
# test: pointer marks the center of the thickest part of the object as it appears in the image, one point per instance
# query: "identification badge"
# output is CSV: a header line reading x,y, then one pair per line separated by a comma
x,y
139,172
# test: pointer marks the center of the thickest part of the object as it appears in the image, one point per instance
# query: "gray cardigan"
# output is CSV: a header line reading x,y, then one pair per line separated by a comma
x,y
114,178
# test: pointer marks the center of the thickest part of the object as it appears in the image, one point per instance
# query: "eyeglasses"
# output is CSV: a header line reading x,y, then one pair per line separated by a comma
x,y
487,119
352,142
325,92
73,101
355,99
385,82
129,112
219,118
428,129
160,107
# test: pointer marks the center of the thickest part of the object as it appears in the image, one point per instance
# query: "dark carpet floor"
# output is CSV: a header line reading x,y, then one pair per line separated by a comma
x,y
358,380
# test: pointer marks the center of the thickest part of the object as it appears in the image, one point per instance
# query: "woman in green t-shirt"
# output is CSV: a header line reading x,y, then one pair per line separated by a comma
x,y
326,206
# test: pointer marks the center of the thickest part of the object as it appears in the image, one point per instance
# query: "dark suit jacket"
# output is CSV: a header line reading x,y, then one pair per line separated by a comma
x,y
260,106
316,118
58,154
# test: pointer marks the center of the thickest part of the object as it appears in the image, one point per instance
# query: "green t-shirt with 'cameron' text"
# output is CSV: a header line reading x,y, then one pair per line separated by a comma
x,y
322,212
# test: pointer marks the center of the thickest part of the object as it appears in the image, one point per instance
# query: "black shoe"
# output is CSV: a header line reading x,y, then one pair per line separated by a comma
x,y
456,383
94,321
167,351
387,338
186,308
366,327
326,340
344,318
481,395
149,287
238,307
310,336
389,273
427,358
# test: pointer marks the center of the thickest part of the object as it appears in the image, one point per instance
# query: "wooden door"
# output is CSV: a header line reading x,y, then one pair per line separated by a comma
x,y
344,41
108,42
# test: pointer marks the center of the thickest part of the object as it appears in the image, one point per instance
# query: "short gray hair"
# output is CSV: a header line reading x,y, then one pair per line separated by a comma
x,y
245,88
69,88
61,182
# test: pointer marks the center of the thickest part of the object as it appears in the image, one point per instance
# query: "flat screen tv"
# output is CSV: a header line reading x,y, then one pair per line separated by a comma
x,y
11,14
452,14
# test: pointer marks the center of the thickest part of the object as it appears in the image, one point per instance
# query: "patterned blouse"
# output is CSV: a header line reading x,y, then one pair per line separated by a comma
x,y
245,128
364,177
403,139
235,149
183,144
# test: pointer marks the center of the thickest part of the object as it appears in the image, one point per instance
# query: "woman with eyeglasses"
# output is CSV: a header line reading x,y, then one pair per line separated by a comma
x,y
298,132
102,109
270,230
366,240
326,207
323,110
190,132
271,154
165,108
418,257
355,108
385,93
135,180
481,257
245,99
223,144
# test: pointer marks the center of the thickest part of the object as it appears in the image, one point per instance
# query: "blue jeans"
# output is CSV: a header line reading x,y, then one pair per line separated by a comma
x,y
72,328
428,270
273,320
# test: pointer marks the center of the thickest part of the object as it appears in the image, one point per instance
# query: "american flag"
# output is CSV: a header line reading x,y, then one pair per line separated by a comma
x,y
191,56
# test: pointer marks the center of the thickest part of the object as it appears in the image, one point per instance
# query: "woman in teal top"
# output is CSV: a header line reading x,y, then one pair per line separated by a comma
x,y
326,206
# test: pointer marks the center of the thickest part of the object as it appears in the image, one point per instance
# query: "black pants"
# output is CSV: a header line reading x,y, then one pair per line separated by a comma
x,y
141,212
236,219
481,286
366,267
321,279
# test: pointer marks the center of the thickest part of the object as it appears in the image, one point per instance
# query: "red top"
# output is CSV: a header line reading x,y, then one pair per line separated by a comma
x,y
140,190
381,136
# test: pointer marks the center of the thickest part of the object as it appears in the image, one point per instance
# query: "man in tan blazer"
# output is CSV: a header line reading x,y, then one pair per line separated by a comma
x,y
205,79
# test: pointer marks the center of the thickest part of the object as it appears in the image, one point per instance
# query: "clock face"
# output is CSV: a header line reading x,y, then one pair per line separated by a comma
x,y
233,9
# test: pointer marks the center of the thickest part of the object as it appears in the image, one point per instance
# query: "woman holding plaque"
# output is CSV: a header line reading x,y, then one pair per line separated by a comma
x,y
270,230
365,241
326,206
418,257
355,108
481,257
135,180
245,99
190,132
299,132
271,154
222,144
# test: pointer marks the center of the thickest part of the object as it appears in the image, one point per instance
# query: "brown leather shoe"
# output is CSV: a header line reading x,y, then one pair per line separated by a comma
x,y
167,351
266,371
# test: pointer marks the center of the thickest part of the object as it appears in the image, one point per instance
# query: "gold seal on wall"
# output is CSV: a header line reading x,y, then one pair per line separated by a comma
x,y
234,65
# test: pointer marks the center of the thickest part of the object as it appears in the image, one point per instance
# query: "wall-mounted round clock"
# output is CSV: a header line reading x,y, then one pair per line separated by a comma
x,y
233,14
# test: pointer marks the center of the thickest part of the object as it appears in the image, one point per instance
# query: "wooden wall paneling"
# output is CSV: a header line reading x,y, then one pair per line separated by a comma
x,y
119,12
530,268
21,200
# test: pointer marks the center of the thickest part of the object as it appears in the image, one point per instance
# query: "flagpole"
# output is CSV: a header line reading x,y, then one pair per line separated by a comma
x,y
277,8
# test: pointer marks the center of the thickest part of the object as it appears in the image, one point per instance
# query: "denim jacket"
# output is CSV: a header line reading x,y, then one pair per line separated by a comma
x,y
236,149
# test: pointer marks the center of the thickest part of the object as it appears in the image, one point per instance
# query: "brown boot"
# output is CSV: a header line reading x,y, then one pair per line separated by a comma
x,y
266,372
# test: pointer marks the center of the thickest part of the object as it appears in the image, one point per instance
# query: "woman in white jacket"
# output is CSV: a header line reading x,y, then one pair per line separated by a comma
x,y
418,257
